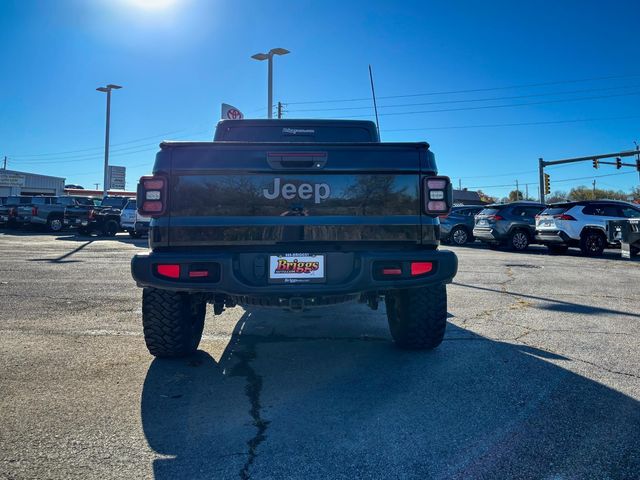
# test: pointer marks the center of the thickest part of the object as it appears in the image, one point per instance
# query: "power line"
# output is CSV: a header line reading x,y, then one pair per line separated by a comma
x,y
449,92
440,102
485,107
121,152
555,181
493,125
97,148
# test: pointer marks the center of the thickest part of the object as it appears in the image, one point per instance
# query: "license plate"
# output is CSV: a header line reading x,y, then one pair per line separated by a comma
x,y
296,268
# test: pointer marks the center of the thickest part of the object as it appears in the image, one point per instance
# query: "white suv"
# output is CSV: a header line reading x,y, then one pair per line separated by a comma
x,y
131,221
580,224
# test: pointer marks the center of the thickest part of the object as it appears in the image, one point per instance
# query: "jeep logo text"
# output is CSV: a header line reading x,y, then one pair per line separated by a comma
x,y
304,191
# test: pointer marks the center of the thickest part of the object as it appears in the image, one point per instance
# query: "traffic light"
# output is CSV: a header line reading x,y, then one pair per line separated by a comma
x,y
595,163
618,163
547,184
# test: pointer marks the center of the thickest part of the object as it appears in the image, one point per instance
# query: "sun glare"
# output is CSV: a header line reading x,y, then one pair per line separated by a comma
x,y
153,4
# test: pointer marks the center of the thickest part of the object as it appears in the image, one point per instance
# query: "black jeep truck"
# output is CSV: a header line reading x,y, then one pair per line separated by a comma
x,y
103,219
293,214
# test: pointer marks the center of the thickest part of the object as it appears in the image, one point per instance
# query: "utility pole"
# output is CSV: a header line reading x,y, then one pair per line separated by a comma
x,y
5,163
279,110
637,158
517,191
594,188
526,187
459,184
97,185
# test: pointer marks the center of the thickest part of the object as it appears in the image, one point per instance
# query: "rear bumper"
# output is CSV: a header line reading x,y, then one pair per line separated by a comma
x,y
556,237
141,227
245,274
486,235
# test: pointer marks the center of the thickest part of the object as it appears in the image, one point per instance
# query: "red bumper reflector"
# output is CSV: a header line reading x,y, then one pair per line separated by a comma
x,y
391,271
198,274
420,268
171,271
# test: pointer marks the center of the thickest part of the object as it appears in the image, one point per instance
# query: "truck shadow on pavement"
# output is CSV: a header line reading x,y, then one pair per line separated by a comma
x,y
556,305
304,396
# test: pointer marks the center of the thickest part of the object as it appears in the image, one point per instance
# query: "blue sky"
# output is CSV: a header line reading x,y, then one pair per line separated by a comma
x,y
178,60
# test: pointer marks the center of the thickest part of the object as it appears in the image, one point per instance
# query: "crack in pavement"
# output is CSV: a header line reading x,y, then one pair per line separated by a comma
x,y
253,389
587,362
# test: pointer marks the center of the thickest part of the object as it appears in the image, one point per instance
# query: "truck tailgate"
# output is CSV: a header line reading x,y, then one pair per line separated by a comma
x,y
226,193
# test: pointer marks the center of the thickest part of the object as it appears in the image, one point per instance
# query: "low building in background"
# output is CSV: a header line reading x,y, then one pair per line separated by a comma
x,y
466,197
23,183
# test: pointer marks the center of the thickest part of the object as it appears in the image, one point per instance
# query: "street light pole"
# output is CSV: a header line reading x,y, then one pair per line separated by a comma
x,y
107,90
269,56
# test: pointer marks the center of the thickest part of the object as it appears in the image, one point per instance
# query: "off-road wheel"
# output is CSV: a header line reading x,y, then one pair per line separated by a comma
x,y
557,249
592,243
459,236
172,322
518,240
418,317
110,228
55,224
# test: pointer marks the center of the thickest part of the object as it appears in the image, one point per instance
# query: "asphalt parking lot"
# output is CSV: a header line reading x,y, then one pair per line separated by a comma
x,y
538,377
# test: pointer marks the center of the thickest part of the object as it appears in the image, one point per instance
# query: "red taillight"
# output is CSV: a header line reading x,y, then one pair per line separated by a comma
x,y
152,207
153,184
443,216
495,217
563,217
437,195
420,268
34,211
12,212
169,270
92,214
152,196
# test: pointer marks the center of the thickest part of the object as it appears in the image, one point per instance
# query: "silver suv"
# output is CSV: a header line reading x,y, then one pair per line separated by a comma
x,y
581,224
508,224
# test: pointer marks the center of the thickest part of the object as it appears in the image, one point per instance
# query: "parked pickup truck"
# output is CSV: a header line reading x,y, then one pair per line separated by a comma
x,y
293,214
103,219
9,210
26,211
50,214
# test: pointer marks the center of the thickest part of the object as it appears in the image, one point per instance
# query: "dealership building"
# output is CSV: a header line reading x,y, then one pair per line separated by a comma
x,y
23,183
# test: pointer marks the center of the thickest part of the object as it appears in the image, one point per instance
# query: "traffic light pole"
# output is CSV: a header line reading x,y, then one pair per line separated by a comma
x,y
541,171
593,158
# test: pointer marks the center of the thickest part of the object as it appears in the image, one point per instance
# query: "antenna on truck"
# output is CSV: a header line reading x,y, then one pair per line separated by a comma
x,y
375,105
